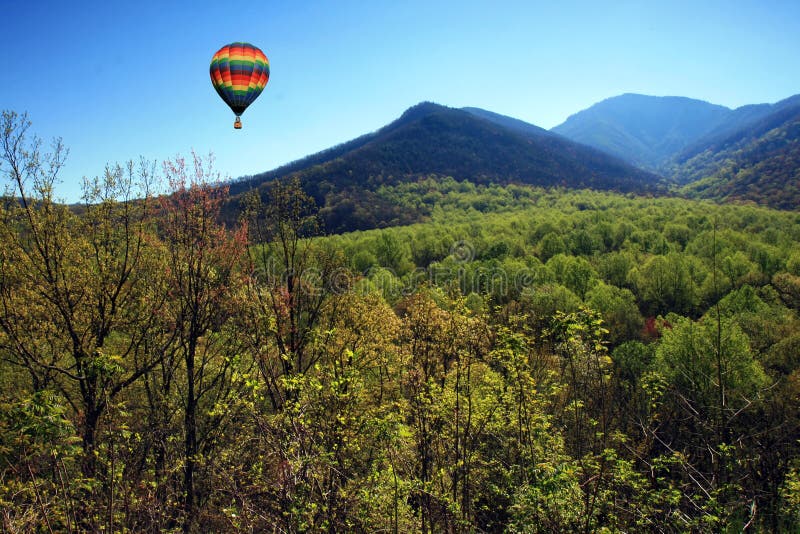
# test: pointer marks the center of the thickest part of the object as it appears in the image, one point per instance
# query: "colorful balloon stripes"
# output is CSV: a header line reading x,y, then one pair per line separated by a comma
x,y
239,72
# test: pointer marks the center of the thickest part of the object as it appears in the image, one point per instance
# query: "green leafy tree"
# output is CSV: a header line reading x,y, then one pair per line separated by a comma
x,y
619,311
204,259
76,303
550,245
291,283
714,383
574,272
392,254
664,284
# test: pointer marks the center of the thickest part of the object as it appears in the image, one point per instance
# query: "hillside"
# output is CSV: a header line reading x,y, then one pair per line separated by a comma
x,y
750,153
511,123
759,164
433,140
644,130
743,122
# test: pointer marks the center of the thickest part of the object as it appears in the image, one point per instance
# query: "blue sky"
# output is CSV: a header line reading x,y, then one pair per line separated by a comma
x,y
120,80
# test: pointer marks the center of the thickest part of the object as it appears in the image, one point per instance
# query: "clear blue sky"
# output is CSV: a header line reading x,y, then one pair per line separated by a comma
x,y
118,80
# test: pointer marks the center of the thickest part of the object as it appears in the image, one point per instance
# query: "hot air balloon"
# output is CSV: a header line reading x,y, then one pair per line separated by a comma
x,y
239,72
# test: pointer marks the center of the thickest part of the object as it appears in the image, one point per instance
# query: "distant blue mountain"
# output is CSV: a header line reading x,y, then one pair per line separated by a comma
x,y
758,162
746,122
644,130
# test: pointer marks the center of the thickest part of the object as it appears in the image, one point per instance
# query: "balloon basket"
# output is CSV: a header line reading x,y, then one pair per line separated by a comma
x,y
237,124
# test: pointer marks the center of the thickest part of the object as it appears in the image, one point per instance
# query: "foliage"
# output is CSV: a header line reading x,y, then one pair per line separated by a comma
x,y
760,167
526,360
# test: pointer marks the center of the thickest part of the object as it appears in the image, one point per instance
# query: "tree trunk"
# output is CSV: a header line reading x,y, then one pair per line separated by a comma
x,y
190,449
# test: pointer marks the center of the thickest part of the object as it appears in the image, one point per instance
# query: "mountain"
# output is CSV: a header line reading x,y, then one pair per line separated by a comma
x,y
750,153
742,122
759,162
511,123
644,130
434,140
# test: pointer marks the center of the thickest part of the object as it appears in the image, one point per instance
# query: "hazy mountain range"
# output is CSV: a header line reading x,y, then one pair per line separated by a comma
x,y
644,130
434,140
630,143
751,153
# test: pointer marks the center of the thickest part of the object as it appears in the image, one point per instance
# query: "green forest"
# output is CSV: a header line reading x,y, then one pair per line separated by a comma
x,y
522,359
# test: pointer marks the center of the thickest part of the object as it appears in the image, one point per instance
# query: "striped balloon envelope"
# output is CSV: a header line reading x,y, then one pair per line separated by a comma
x,y
239,72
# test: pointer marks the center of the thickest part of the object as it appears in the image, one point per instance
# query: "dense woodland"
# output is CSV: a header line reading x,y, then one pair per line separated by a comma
x,y
525,360
765,170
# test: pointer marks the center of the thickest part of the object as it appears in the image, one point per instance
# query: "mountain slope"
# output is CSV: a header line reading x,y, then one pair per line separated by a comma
x,y
511,123
758,163
644,130
743,122
429,139
709,153
746,154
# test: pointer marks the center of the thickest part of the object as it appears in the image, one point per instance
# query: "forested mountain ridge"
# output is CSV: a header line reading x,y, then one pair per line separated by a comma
x,y
644,130
744,122
746,154
429,139
509,122
763,168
